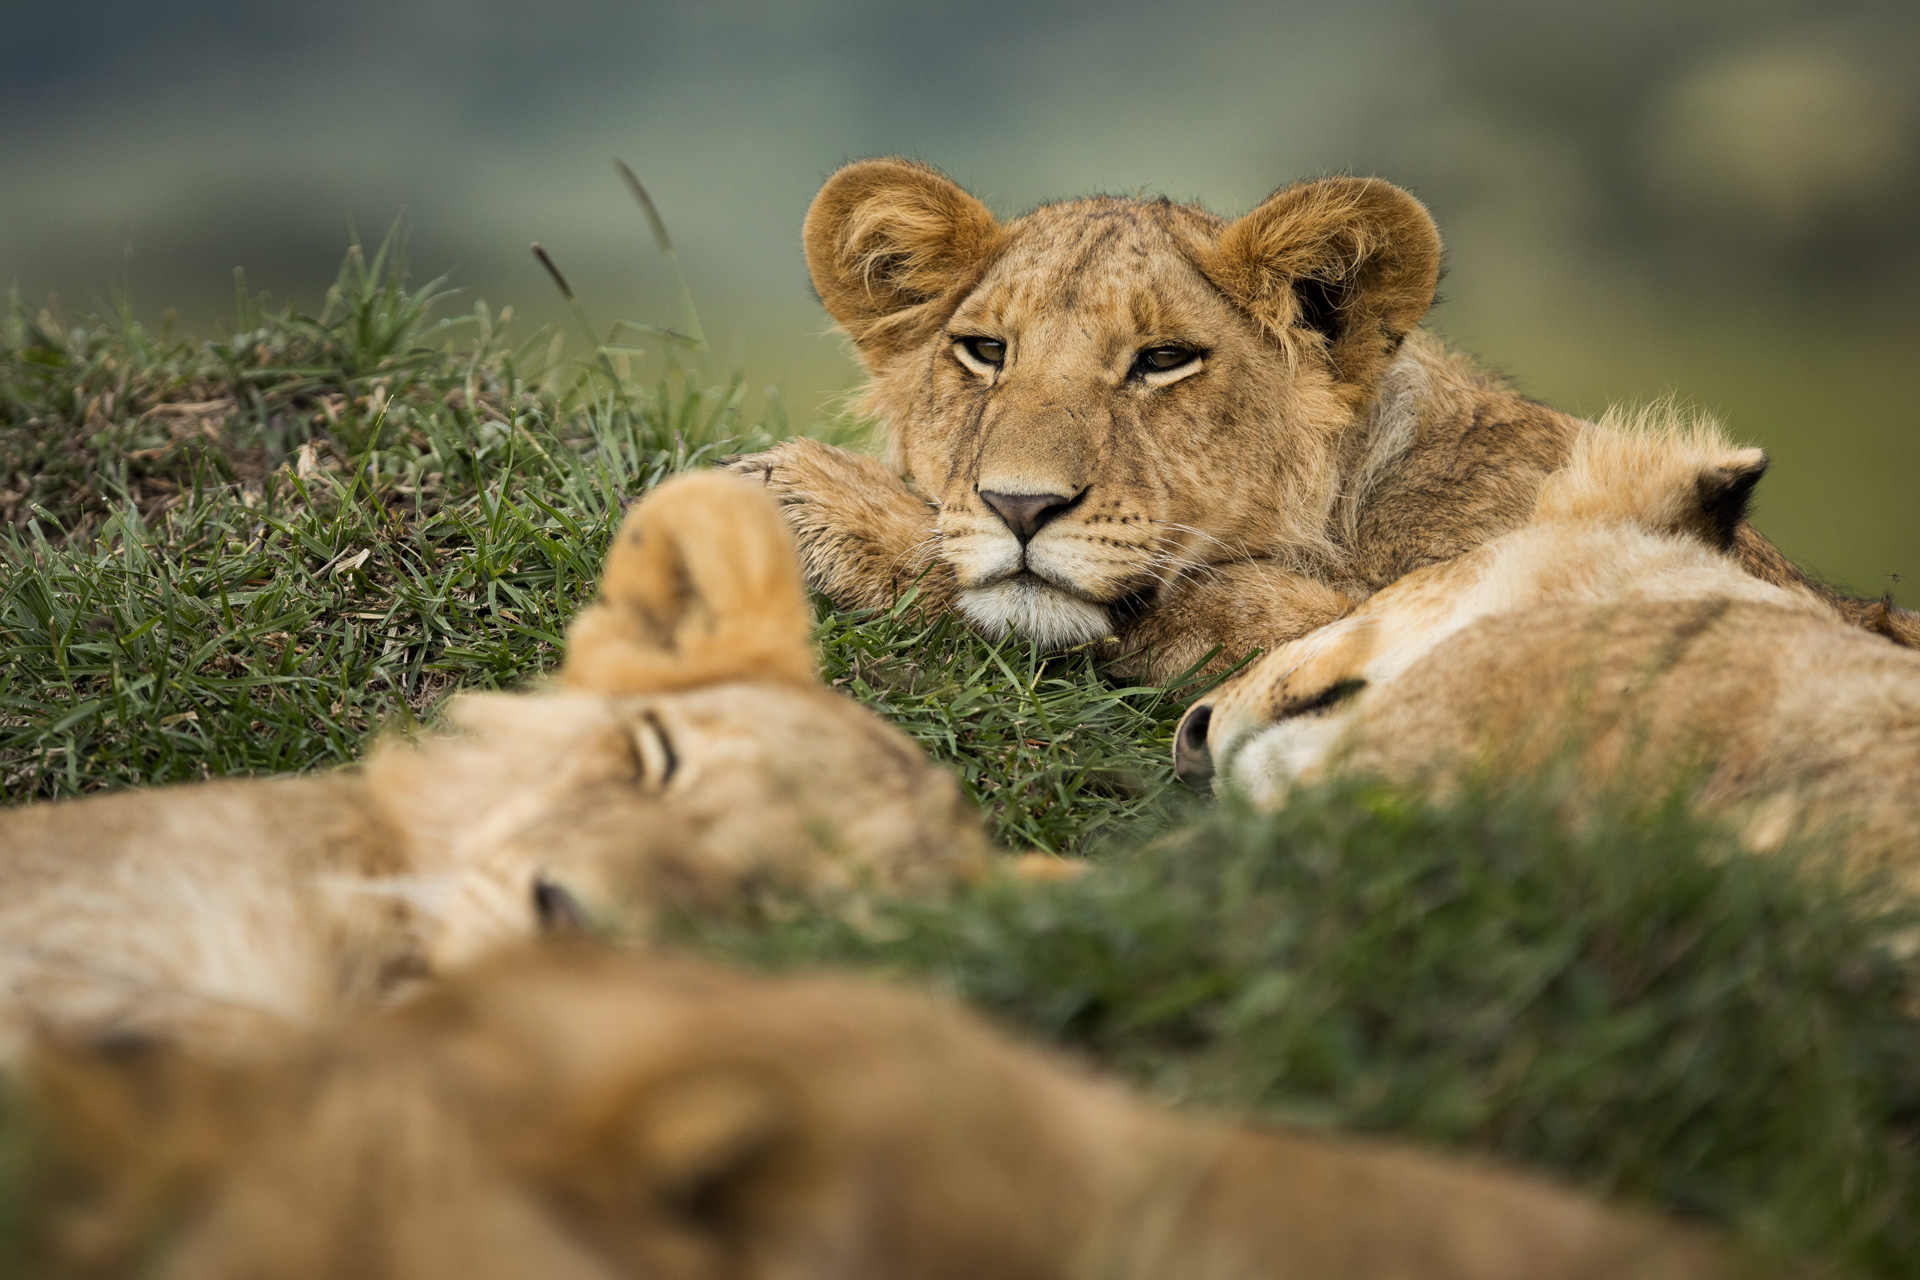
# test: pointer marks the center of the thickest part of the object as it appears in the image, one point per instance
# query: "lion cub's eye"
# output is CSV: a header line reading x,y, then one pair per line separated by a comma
x,y
990,352
1165,359
1326,700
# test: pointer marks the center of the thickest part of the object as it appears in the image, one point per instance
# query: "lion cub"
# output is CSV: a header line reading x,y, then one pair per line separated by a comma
x,y
687,753
1131,418
580,1114
1614,626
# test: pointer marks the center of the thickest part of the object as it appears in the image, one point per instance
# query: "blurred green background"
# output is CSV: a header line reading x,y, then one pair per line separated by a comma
x,y
1708,200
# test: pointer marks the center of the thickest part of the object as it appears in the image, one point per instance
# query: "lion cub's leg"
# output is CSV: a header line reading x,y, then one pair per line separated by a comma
x,y
865,536
1238,608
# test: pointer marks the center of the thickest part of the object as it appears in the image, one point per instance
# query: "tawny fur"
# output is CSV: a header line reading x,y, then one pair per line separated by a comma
x,y
1320,447
688,755
1611,627
583,1115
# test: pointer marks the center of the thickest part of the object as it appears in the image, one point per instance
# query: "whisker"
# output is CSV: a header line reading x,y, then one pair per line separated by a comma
x,y
1202,534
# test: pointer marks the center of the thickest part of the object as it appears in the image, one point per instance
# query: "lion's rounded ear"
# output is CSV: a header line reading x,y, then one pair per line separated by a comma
x,y
702,585
888,241
1353,260
1660,468
699,1138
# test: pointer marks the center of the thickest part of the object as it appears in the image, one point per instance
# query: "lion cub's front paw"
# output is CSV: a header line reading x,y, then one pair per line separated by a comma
x,y
865,535
806,472
1220,614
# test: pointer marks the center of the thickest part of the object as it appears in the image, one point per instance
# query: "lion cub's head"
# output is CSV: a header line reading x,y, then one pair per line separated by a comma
x,y
579,1114
1108,392
689,753
1641,514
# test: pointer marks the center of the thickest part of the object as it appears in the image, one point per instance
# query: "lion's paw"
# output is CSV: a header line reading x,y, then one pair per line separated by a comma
x,y
804,471
864,534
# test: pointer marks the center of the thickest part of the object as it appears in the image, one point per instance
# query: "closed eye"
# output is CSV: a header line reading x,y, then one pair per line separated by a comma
x,y
655,760
1167,362
1321,703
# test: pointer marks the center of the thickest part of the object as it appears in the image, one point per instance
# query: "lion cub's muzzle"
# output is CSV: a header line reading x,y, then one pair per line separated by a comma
x,y
1033,563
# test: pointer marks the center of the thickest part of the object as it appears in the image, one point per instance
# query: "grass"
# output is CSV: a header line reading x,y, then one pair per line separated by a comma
x,y
247,556
240,557
1634,1005
244,557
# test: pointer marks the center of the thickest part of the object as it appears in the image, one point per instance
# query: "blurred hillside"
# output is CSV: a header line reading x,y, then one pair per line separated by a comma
x,y
1713,200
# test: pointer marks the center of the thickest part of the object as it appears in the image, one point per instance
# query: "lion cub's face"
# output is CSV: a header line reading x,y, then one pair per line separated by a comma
x,y
1637,515
1107,393
566,804
689,754
1049,406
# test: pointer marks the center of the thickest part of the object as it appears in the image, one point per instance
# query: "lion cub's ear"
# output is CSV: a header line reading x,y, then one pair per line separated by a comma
x,y
702,585
701,1146
1354,260
1722,493
887,238
1659,469
695,1137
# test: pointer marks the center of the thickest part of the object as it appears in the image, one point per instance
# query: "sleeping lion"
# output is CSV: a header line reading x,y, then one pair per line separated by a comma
x,y
1614,628
1131,418
573,1113
687,754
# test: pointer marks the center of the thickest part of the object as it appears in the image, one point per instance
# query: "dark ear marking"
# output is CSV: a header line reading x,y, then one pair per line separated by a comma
x,y
1724,494
1321,302
1355,260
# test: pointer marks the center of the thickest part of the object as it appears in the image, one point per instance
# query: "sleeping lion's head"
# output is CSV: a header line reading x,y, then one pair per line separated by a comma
x,y
689,755
570,1113
1106,393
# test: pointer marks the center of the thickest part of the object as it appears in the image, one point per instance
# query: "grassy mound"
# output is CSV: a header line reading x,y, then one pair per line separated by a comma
x,y
242,557
1635,1005
247,556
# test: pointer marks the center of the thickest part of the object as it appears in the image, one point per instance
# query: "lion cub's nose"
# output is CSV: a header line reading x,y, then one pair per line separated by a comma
x,y
1026,513
1192,761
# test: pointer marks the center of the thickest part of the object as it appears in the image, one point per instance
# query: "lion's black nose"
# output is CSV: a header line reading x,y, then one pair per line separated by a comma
x,y
1026,513
1191,759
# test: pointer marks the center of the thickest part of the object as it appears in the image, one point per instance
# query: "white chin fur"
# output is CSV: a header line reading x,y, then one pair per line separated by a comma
x,y
1034,611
